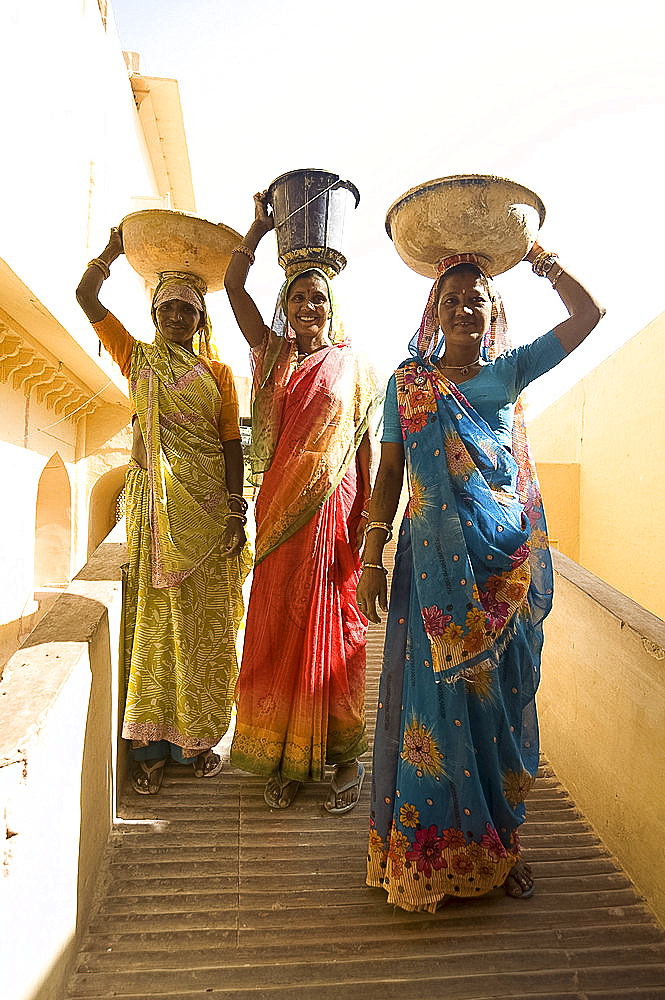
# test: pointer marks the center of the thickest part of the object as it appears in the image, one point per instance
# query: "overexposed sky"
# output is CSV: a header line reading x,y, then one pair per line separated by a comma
x,y
567,98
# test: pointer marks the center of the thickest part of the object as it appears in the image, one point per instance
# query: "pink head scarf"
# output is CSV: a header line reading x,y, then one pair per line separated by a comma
x,y
428,342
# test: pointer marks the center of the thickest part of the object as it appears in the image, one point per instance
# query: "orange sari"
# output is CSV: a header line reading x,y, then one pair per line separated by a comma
x,y
300,695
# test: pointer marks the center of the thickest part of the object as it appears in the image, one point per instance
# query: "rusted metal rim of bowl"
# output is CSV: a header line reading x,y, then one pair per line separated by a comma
x,y
456,233
160,241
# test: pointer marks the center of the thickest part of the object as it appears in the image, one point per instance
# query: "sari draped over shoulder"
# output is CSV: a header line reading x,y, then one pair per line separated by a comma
x,y
177,404
300,696
464,506
456,745
324,415
183,602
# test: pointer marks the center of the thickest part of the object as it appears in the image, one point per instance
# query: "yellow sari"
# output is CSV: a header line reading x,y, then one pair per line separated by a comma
x,y
183,602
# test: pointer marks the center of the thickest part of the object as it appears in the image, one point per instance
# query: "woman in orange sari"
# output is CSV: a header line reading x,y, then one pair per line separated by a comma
x,y
300,696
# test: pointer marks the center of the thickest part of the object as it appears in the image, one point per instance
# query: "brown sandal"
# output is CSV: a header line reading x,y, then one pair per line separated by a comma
x,y
147,778
519,883
280,792
207,764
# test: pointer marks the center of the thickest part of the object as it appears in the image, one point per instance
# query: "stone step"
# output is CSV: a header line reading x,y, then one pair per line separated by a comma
x,y
208,893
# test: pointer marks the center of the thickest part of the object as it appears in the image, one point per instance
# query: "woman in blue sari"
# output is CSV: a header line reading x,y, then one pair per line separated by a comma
x,y
456,744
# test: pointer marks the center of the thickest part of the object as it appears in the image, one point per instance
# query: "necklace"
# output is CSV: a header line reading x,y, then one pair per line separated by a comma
x,y
303,355
464,369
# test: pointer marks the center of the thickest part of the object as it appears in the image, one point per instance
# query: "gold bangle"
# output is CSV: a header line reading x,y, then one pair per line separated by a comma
x,y
388,528
240,517
240,500
241,248
543,264
374,566
101,264
556,276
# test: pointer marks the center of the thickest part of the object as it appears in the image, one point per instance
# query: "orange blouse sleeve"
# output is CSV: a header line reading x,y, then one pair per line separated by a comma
x,y
116,340
229,417
119,343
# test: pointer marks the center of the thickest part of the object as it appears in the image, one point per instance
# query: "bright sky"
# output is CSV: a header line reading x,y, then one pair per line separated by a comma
x,y
565,97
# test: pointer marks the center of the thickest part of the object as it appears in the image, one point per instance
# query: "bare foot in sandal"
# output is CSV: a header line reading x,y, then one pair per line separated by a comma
x,y
147,777
207,764
280,792
520,883
345,786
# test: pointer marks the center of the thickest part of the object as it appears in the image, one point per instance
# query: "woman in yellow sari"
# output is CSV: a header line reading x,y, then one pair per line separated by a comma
x,y
182,597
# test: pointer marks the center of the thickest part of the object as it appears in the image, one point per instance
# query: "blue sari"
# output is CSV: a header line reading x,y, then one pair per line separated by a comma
x,y
456,744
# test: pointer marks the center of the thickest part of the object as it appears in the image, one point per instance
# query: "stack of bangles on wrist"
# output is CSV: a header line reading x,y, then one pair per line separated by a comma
x,y
238,517
543,264
388,528
245,251
242,513
101,265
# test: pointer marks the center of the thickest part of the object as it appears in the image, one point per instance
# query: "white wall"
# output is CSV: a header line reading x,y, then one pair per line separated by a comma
x,y
73,163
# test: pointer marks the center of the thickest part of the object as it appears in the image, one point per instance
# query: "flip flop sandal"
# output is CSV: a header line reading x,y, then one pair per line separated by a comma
x,y
207,764
147,778
279,794
336,789
525,893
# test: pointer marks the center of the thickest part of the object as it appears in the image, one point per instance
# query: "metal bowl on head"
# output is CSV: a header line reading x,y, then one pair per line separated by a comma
x,y
465,213
158,240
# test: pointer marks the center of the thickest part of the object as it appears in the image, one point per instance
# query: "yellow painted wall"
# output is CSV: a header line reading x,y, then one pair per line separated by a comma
x,y
560,486
244,389
613,424
601,705
59,703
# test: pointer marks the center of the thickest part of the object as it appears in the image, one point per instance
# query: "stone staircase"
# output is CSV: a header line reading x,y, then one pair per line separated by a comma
x,y
208,893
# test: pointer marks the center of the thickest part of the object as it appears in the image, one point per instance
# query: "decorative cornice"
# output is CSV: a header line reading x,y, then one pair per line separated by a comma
x,y
25,369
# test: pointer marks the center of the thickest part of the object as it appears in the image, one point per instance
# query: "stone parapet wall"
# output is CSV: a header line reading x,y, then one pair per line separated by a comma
x,y
58,775
601,705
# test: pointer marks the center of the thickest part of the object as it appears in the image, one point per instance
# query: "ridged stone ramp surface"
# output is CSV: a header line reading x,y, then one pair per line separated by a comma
x,y
208,893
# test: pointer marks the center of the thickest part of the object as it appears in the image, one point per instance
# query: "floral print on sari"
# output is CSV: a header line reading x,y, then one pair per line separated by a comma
x,y
456,745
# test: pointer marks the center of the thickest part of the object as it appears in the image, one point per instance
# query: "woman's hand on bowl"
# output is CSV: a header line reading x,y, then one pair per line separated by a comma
x,y
535,250
114,246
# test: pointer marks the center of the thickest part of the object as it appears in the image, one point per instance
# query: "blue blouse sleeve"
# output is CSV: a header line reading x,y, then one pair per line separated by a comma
x,y
392,428
525,364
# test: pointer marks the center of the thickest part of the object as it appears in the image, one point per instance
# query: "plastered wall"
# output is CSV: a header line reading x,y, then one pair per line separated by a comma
x,y
601,705
612,424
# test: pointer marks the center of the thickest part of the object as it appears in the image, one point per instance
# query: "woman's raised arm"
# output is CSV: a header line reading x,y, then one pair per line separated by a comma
x,y
248,317
87,293
585,312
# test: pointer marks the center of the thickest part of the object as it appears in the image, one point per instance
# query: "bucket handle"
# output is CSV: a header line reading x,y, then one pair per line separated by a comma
x,y
331,187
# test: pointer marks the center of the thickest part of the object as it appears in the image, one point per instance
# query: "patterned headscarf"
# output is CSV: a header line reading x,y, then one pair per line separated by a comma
x,y
280,324
429,342
188,288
